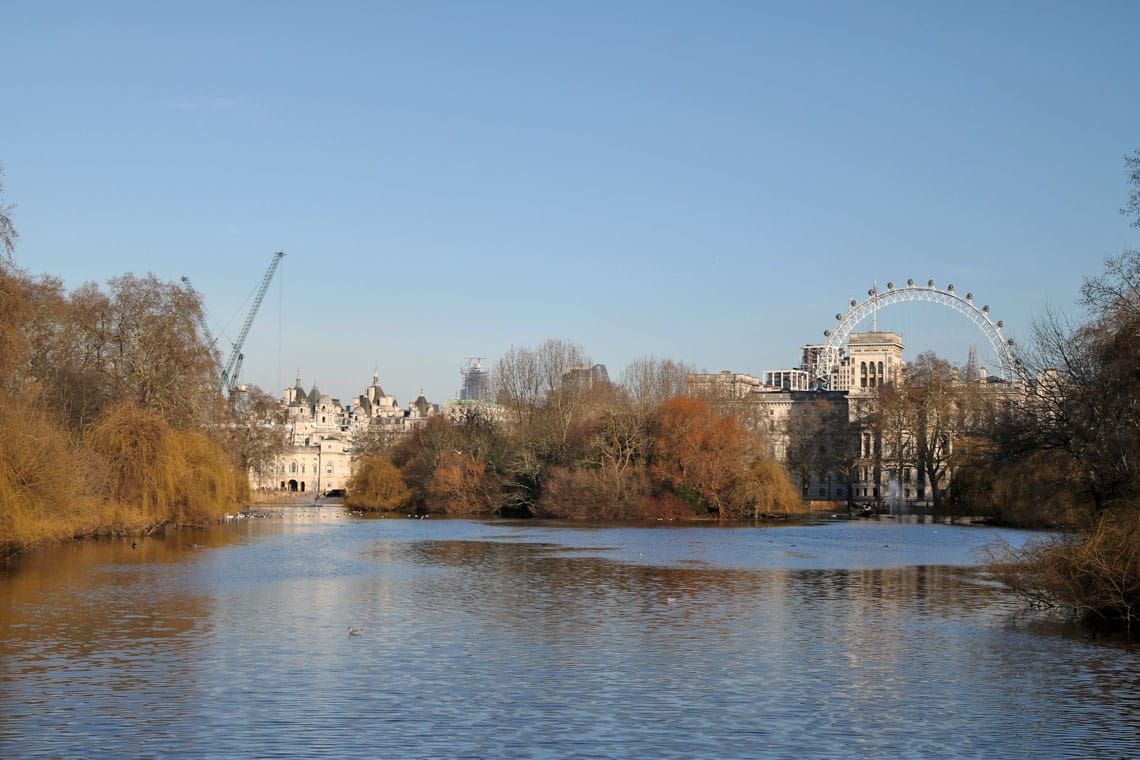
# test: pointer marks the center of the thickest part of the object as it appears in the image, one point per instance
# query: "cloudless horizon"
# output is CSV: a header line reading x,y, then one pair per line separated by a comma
x,y
708,182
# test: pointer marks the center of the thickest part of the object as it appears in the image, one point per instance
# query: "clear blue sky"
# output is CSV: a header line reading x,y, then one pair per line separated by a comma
x,y
705,181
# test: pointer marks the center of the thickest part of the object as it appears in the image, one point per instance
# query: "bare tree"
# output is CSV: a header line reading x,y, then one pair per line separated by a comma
x,y
537,385
8,234
819,443
920,419
649,380
1132,170
1084,397
1115,295
807,452
257,437
518,382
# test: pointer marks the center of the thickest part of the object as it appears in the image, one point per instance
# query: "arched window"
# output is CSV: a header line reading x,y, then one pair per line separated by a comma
x,y
863,374
293,466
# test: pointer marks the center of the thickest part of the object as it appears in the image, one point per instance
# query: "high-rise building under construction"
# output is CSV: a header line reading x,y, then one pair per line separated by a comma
x,y
476,382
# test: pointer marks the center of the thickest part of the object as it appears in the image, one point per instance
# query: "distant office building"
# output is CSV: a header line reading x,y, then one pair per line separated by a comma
x,y
788,380
585,377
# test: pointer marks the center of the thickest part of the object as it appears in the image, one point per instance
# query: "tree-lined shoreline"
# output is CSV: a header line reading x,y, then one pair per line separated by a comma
x,y
112,420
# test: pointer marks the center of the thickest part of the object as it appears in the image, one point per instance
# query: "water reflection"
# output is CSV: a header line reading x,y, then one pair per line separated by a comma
x,y
495,640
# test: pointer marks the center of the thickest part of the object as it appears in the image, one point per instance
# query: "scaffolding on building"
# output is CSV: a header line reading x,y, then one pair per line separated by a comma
x,y
476,381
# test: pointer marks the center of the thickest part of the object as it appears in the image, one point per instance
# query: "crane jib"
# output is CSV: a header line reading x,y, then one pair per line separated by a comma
x,y
233,365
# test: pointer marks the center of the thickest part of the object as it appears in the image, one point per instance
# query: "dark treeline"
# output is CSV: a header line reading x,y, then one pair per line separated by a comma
x,y
1074,446
561,443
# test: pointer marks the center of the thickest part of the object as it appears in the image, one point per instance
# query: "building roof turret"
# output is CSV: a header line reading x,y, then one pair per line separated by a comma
x,y
375,387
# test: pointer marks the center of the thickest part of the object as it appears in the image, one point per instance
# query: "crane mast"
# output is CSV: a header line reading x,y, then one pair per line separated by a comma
x,y
233,366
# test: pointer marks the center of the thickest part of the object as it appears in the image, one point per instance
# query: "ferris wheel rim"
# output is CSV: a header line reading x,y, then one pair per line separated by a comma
x,y
858,311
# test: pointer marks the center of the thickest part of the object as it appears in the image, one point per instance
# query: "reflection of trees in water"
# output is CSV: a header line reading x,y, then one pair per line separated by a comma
x,y
551,590
548,591
910,589
878,630
105,601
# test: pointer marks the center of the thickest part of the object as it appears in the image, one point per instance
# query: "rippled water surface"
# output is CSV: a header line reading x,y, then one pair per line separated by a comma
x,y
314,634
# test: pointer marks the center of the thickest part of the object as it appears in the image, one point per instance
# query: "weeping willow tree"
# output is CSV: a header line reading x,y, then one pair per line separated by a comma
x,y
162,473
43,479
377,484
206,481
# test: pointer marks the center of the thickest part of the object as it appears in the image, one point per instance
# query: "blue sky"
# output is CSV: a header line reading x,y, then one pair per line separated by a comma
x,y
709,182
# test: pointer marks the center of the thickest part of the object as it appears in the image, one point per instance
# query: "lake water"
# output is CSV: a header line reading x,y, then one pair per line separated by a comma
x,y
316,634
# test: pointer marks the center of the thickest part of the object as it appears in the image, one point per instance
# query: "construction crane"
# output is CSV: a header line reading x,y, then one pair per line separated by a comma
x,y
205,328
233,366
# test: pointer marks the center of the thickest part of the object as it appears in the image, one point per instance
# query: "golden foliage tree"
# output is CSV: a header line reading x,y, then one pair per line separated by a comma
x,y
765,490
206,478
43,478
710,460
167,475
461,485
376,484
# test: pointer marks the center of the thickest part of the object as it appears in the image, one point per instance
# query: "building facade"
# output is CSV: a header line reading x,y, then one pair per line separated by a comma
x,y
321,434
871,362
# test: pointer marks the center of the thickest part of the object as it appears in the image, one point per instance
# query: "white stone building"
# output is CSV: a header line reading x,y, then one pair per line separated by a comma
x,y
872,360
320,432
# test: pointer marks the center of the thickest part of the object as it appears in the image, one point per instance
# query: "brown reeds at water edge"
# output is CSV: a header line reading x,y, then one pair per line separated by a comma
x,y
1094,573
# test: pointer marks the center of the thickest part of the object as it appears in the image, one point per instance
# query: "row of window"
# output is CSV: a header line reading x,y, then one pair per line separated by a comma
x,y
868,379
293,467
